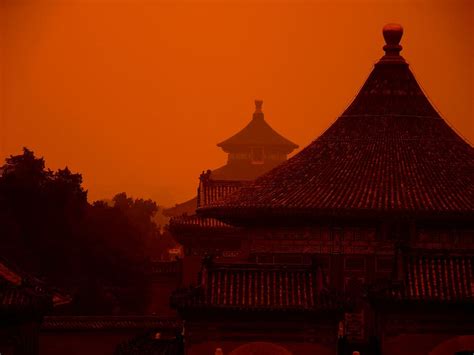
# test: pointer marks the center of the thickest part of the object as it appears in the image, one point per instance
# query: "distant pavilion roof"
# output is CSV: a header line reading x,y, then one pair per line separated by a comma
x,y
390,153
258,133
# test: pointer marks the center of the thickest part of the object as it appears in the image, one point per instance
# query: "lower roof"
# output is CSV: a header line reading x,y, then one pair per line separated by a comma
x,y
437,279
19,290
196,223
109,323
260,287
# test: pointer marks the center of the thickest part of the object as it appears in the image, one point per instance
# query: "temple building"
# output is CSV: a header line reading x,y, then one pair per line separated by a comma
x,y
252,151
363,241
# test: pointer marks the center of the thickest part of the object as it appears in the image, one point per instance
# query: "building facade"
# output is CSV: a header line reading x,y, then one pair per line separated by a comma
x,y
363,241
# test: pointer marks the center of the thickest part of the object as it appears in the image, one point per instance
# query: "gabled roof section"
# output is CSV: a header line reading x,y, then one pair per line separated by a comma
x,y
109,323
20,289
8,275
257,287
389,154
431,278
196,223
258,133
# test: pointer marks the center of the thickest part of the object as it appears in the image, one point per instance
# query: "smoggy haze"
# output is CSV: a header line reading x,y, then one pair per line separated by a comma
x,y
136,94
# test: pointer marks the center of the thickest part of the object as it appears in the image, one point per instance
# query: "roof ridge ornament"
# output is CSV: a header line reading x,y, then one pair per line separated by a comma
x,y
392,33
258,109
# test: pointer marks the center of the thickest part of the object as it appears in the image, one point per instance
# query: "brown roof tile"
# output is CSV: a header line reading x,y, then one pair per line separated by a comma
x,y
9,275
21,290
191,223
15,296
108,322
258,287
433,278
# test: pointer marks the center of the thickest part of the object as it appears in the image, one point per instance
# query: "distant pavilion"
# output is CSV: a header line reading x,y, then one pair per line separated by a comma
x,y
252,151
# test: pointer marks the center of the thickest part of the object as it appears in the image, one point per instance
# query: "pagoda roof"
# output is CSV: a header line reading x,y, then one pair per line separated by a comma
x,y
258,287
99,323
193,223
389,154
257,133
152,343
431,279
19,290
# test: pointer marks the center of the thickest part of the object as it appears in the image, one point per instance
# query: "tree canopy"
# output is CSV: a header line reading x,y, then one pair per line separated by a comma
x,y
99,252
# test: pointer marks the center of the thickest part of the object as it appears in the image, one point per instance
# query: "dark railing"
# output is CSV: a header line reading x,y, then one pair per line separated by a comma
x,y
95,323
197,221
166,267
210,191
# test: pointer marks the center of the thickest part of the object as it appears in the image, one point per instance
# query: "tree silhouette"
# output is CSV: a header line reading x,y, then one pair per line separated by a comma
x,y
98,252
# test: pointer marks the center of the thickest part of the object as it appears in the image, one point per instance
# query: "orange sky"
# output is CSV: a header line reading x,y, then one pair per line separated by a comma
x,y
135,94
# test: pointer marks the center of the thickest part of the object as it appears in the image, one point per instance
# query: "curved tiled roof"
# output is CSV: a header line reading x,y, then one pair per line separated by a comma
x,y
389,153
109,322
150,344
9,275
22,290
260,287
258,133
15,296
432,278
191,223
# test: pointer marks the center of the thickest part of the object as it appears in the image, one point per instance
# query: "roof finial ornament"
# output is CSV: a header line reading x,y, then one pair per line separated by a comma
x,y
392,33
258,114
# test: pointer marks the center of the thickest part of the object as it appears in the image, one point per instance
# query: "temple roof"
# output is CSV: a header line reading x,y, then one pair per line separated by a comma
x,y
20,290
390,153
15,296
109,323
433,279
258,133
193,223
152,343
260,287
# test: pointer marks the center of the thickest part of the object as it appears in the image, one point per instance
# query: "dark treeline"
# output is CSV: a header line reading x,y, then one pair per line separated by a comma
x,y
97,252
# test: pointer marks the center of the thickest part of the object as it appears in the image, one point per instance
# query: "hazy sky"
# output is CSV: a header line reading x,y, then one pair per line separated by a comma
x,y
135,94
